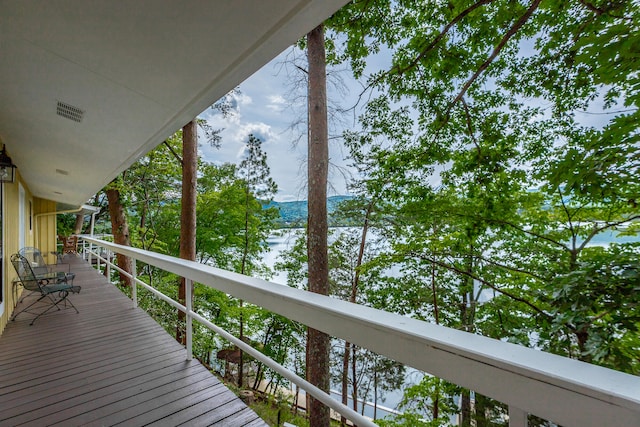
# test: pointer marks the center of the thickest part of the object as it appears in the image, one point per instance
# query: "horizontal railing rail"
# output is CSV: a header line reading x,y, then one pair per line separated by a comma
x,y
559,389
319,394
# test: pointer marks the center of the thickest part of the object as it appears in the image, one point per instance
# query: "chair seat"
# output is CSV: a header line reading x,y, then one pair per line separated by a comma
x,y
62,287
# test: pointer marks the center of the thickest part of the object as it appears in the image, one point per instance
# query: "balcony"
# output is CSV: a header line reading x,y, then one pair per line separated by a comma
x,y
109,364
562,390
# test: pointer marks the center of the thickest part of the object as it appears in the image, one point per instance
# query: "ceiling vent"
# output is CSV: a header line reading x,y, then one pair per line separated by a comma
x,y
70,112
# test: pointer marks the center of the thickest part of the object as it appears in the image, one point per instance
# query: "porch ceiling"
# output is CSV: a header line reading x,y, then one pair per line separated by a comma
x,y
137,70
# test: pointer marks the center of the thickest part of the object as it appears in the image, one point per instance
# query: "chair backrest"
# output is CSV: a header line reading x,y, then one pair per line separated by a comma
x,y
25,273
35,258
69,244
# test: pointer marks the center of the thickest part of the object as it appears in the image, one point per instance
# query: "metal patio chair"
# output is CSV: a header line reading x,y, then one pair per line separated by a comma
x,y
52,288
38,263
41,268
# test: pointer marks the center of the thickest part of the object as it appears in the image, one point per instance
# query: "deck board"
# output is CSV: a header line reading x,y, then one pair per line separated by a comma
x,y
110,364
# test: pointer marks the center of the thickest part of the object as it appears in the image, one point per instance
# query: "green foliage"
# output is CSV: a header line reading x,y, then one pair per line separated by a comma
x,y
146,189
428,403
282,340
65,224
489,192
232,228
376,375
271,411
258,221
601,297
294,262
294,214
495,184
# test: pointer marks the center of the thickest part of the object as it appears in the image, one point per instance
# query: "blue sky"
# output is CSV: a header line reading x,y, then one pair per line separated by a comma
x,y
268,107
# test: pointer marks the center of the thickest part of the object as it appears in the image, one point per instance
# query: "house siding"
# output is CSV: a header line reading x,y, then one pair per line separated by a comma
x,y
10,237
35,222
45,228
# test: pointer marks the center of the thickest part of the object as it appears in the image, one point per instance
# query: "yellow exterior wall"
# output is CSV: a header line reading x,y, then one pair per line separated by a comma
x,y
45,228
40,231
10,237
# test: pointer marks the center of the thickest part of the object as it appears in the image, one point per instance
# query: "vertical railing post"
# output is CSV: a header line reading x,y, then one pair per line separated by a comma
x,y
517,417
188,284
108,266
98,258
134,286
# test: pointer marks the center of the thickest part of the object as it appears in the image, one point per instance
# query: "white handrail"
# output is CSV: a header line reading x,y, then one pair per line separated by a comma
x,y
325,398
565,391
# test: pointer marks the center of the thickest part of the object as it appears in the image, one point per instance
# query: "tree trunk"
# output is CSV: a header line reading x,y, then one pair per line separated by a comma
x,y
465,409
318,164
187,213
354,374
352,298
436,314
77,228
480,410
468,320
243,266
120,231
375,394
345,379
435,412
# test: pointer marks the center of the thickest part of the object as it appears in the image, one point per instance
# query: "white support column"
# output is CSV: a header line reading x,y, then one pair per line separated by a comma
x,y
134,286
93,222
108,266
517,417
188,284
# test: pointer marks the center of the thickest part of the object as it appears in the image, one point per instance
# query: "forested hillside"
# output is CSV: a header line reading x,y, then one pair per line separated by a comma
x,y
294,214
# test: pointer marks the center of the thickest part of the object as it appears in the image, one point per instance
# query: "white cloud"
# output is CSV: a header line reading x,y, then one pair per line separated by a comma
x,y
242,99
258,129
276,103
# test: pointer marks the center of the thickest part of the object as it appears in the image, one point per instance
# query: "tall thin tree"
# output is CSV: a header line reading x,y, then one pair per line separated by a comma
x,y
119,227
317,252
188,212
255,172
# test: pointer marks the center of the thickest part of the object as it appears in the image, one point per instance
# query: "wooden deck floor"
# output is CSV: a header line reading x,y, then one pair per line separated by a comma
x,y
109,365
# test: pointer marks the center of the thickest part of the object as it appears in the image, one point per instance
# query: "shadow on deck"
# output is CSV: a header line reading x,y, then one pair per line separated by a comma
x,y
111,364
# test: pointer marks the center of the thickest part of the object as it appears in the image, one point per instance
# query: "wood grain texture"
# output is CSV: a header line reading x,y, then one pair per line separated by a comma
x,y
111,364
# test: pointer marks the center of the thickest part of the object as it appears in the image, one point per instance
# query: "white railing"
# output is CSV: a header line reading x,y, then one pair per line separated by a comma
x,y
562,390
